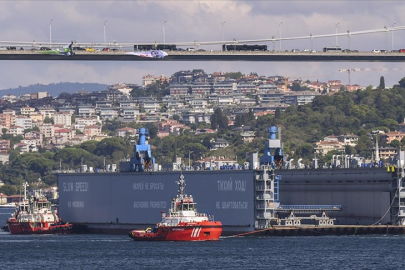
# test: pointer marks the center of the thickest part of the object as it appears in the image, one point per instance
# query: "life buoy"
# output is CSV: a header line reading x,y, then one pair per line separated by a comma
x,y
70,226
65,228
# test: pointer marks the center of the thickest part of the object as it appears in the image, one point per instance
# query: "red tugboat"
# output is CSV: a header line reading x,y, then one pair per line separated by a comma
x,y
36,216
182,223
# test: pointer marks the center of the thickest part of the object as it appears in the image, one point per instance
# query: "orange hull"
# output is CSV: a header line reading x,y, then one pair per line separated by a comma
x,y
16,227
206,231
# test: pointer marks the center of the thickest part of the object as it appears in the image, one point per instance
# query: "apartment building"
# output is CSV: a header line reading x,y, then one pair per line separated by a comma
x,y
23,121
27,110
48,130
4,146
47,112
6,121
63,118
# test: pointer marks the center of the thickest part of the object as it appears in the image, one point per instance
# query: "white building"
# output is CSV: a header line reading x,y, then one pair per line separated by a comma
x,y
47,112
129,114
63,118
86,110
24,122
48,130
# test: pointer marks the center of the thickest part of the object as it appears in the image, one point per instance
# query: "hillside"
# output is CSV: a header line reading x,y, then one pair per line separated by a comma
x,y
55,89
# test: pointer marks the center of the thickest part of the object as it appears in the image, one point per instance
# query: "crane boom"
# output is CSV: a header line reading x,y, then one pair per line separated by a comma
x,y
348,70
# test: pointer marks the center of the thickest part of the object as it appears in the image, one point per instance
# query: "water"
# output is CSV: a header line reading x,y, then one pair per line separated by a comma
x,y
94,251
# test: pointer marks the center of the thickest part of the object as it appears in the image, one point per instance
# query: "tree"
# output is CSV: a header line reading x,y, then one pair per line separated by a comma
x,y
395,144
152,130
402,82
89,146
296,86
382,83
277,114
219,120
234,75
48,120
8,190
349,150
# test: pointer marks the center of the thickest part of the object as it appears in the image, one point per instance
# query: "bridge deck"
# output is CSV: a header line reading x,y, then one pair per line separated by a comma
x,y
211,56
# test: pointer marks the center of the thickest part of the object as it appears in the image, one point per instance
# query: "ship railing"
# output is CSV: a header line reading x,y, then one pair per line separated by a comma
x,y
264,197
260,188
264,216
311,207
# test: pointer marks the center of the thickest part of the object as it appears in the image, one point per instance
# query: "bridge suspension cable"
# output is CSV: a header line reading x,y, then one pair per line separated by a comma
x,y
194,43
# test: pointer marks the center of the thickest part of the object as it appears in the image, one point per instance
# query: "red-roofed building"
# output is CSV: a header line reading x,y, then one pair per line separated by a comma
x,y
126,131
91,131
323,147
393,135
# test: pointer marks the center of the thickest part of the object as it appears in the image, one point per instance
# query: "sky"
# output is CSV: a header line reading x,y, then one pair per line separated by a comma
x,y
189,21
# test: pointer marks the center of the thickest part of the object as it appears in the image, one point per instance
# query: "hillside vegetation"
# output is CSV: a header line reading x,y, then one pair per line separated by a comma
x,y
357,112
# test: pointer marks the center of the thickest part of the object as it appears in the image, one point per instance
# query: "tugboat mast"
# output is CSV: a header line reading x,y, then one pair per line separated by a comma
x,y
182,186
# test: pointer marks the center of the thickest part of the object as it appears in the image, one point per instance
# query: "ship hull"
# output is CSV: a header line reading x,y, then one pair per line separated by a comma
x,y
16,227
196,232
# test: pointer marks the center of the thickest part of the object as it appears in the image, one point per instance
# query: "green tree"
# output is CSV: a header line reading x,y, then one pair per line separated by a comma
x,y
402,82
48,120
89,146
395,144
382,83
349,150
296,86
234,75
8,190
219,120
109,146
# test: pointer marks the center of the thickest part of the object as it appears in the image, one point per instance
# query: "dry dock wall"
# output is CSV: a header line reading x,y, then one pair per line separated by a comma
x,y
139,198
364,193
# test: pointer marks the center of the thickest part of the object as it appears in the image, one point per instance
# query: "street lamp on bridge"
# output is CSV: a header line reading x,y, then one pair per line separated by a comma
x,y
392,37
164,38
336,34
279,31
50,33
104,31
222,30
